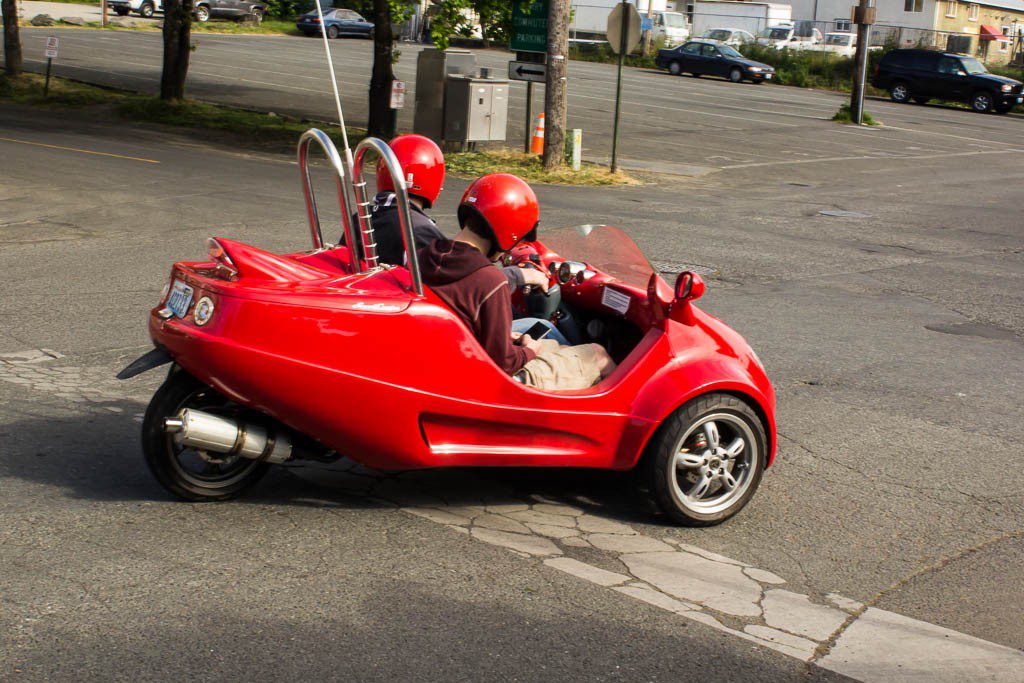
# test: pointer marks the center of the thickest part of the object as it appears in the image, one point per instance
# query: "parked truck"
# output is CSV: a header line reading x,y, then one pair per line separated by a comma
x,y
589,21
752,17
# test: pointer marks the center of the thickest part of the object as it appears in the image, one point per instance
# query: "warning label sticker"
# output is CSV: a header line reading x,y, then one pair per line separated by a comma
x,y
615,300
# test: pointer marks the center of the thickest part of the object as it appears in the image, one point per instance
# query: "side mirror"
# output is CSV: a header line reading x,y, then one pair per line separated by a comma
x,y
961,73
689,286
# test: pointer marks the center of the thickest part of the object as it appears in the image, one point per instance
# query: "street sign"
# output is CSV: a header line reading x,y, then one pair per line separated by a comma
x,y
647,24
630,24
529,26
51,47
527,71
397,94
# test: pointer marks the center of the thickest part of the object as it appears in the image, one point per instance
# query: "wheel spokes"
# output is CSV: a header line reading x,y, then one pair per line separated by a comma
x,y
735,448
711,432
700,489
728,481
688,461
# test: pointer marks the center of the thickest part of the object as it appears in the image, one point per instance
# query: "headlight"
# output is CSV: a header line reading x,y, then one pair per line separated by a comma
x,y
754,68
1007,88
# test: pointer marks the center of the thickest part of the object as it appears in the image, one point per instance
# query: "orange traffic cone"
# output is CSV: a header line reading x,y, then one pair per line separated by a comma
x,y
537,144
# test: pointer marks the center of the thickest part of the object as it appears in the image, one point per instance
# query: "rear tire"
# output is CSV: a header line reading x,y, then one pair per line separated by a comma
x,y
982,102
675,68
332,32
695,479
167,461
146,10
202,14
257,16
900,93
735,75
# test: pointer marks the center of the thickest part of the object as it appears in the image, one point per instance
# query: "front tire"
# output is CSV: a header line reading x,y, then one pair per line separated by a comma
x,y
332,32
675,68
705,462
146,10
257,16
202,14
900,93
189,474
735,75
982,102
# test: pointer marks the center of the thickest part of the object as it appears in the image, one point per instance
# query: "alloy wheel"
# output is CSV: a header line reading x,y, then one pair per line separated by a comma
x,y
714,463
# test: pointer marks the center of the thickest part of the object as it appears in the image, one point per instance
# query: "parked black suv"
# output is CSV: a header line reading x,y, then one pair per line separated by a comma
x,y
922,75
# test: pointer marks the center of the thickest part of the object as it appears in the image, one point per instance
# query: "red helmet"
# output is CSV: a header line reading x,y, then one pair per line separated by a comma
x,y
423,165
507,206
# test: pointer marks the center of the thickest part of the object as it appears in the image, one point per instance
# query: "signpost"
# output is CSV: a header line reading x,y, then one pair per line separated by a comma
x,y
397,94
623,35
530,43
527,71
51,54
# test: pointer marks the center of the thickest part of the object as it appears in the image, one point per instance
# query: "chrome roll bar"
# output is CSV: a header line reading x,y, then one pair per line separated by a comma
x,y
401,199
331,152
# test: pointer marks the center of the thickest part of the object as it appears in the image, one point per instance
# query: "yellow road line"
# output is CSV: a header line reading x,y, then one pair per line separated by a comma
x,y
81,151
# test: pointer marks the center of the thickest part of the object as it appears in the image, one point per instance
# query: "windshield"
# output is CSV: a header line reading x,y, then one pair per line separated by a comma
x,y
973,66
673,20
606,248
718,34
836,39
775,33
728,51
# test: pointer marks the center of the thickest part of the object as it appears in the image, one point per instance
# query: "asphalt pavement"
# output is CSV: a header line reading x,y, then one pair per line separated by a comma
x,y
885,543
673,124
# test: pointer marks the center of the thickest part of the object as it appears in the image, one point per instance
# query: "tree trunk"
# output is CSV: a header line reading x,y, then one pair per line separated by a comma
x,y
177,48
555,86
12,39
382,116
485,28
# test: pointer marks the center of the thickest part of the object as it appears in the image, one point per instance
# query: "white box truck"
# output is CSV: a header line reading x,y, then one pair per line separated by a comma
x,y
751,17
588,20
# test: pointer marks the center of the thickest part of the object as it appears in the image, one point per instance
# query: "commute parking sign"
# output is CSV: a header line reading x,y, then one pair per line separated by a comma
x,y
529,26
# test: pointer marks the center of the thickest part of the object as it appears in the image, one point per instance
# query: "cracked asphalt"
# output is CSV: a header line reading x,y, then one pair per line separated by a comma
x,y
894,341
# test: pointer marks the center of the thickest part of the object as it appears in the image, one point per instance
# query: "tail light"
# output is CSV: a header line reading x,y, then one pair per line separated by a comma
x,y
316,20
876,69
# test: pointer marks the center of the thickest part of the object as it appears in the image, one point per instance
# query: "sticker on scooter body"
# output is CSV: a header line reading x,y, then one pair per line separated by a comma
x,y
615,300
180,299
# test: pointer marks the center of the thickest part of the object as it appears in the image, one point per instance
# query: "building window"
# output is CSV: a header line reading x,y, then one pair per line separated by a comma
x,y
843,25
972,12
913,5
1004,45
951,9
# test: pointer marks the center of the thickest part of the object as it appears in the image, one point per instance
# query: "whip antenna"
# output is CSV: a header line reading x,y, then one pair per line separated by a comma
x,y
334,85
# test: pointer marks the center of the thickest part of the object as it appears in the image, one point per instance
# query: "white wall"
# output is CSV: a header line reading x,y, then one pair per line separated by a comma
x,y
888,12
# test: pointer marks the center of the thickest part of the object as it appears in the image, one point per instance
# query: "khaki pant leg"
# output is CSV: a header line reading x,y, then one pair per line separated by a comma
x,y
563,368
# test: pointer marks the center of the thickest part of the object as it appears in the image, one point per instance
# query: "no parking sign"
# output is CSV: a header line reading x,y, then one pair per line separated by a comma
x,y
51,47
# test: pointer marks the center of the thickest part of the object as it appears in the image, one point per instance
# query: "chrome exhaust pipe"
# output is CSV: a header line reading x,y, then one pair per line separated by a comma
x,y
208,432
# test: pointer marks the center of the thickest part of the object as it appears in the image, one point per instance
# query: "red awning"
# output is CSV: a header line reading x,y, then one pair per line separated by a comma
x,y
991,33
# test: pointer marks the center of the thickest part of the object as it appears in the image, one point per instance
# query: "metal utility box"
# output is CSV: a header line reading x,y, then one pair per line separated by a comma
x,y
433,67
476,109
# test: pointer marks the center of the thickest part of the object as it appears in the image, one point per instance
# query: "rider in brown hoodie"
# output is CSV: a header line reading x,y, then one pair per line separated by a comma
x,y
497,212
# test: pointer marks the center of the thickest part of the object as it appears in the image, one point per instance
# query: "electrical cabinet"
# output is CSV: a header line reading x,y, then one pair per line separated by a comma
x,y
476,109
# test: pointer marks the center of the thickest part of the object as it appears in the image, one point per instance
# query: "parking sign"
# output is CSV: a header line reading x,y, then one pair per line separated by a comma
x,y
51,47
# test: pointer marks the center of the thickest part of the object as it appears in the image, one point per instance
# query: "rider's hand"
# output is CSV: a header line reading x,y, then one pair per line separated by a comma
x,y
528,342
535,278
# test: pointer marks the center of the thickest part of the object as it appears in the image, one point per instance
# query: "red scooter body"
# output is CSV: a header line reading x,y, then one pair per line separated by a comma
x,y
365,366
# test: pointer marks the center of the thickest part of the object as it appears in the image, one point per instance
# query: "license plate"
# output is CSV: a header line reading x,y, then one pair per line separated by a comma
x,y
1020,100
180,299
767,77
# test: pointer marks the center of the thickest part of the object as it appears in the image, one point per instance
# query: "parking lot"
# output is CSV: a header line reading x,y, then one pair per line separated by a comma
x,y
879,274
676,124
